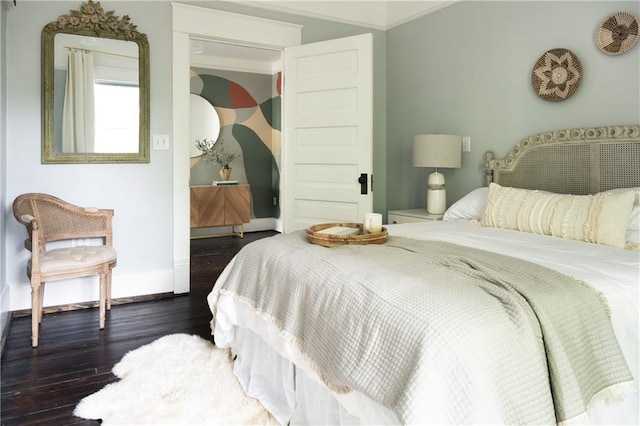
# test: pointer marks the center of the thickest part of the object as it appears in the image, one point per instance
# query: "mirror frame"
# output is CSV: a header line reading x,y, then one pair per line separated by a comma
x,y
91,20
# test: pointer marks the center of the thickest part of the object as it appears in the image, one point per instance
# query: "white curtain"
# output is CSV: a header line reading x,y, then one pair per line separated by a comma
x,y
78,116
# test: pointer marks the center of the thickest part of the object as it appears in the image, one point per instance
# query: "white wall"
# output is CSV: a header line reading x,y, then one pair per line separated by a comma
x,y
466,69
4,288
140,194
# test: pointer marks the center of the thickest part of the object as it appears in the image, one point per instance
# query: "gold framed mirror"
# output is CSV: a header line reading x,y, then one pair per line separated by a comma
x,y
95,89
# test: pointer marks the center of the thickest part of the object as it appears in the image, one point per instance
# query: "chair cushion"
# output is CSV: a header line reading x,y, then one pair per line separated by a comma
x,y
75,258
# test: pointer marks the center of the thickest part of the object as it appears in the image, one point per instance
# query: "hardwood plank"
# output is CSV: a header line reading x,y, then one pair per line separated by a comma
x,y
74,358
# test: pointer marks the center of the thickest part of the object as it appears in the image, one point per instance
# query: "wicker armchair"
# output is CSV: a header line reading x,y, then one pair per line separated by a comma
x,y
48,219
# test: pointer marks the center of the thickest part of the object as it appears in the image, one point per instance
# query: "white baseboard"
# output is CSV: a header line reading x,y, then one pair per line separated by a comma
x,y
5,315
181,276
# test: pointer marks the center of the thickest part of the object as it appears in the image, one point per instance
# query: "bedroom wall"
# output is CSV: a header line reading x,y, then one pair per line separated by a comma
x,y
141,195
4,288
474,80
466,69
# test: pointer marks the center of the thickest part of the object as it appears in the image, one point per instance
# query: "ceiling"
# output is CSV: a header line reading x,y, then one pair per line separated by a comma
x,y
233,51
376,14
221,56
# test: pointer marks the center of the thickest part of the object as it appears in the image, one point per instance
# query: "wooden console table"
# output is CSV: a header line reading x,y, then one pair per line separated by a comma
x,y
220,206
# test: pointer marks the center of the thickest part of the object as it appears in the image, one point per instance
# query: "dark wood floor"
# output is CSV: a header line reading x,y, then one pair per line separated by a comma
x,y
74,358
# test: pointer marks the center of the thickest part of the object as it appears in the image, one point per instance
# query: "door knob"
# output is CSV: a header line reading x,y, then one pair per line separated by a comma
x,y
362,180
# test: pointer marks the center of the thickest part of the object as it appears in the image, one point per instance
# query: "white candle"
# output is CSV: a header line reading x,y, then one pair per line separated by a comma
x,y
372,223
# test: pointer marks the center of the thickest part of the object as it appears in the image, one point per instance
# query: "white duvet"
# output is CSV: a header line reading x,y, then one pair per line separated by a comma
x,y
614,272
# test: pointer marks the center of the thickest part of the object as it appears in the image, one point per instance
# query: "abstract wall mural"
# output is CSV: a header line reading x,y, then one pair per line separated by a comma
x,y
249,108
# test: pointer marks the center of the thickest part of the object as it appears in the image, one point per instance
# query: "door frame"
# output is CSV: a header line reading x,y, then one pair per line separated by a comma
x,y
194,21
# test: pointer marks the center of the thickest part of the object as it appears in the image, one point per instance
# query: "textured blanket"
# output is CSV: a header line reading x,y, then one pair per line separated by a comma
x,y
437,332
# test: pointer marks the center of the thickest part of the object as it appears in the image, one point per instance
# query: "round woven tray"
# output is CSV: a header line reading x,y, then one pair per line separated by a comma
x,y
556,75
331,240
618,33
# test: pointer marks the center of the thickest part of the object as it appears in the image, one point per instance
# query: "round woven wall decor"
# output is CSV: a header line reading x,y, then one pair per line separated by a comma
x,y
556,75
618,33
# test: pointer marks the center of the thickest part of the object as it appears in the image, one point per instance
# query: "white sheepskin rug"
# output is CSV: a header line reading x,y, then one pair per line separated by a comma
x,y
178,379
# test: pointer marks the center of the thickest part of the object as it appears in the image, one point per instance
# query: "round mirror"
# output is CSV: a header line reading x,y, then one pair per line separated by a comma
x,y
205,123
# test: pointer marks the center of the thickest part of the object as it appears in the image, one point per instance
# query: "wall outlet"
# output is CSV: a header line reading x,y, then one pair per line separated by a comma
x,y
80,242
160,142
466,144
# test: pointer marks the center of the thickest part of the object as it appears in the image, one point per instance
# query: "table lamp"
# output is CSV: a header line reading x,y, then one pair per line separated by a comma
x,y
437,151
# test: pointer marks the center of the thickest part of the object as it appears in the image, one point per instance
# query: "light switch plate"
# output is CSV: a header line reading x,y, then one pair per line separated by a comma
x,y
466,144
160,142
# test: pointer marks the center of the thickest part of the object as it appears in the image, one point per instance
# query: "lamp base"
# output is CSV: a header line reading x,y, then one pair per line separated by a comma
x,y
436,194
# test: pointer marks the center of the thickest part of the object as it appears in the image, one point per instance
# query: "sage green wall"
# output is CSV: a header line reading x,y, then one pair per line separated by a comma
x,y
466,69
5,315
463,69
140,194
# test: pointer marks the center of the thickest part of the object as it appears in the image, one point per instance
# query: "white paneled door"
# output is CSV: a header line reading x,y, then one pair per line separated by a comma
x,y
327,132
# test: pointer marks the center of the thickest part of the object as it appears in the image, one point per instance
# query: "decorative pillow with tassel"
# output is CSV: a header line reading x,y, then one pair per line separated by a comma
x,y
601,218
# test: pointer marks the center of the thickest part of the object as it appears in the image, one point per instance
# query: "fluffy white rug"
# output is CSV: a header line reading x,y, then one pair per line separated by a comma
x,y
177,379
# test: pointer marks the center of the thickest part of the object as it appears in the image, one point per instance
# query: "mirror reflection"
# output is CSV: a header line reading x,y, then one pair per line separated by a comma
x,y
96,95
204,123
95,88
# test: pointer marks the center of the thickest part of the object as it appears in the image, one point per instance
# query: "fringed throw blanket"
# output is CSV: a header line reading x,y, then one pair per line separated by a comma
x,y
437,332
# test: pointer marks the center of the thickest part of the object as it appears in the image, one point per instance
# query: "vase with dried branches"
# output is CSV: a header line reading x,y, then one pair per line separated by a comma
x,y
215,152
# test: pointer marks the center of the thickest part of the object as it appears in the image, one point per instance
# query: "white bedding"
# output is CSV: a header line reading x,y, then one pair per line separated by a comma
x,y
591,263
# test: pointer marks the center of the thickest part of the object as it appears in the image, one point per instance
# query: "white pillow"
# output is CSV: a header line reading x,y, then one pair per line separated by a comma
x,y
600,218
469,207
633,228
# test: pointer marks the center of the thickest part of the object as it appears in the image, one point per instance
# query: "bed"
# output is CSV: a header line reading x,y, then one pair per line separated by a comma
x,y
520,307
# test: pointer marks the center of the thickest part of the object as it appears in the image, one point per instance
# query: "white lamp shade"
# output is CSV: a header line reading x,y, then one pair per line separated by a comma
x,y
437,151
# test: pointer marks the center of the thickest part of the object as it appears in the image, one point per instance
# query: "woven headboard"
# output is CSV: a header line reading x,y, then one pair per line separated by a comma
x,y
575,161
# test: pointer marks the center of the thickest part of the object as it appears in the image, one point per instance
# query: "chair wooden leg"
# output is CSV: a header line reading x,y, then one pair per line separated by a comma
x,y
36,312
109,290
41,304
103,298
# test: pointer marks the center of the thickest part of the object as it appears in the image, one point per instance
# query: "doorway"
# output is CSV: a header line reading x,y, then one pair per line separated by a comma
x,y
328,112
191,22
242,86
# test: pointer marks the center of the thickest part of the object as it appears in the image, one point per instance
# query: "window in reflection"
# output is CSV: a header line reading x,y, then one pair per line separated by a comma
x,y
100,95
117,117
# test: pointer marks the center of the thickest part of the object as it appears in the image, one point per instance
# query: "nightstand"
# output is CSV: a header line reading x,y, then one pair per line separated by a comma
x,y
411,215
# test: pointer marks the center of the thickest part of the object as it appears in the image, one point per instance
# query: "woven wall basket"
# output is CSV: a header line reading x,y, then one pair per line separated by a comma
x,y
618,33
556,75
